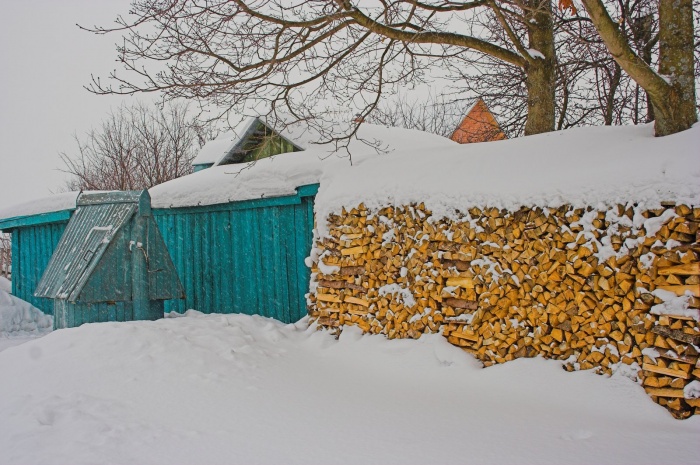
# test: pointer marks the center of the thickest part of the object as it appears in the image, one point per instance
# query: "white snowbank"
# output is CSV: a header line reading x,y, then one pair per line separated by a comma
x,y
17,317
241,389
5,284
596,166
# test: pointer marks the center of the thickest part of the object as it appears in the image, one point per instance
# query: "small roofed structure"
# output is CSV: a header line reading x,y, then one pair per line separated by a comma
x,y
111,263
478,125
251,140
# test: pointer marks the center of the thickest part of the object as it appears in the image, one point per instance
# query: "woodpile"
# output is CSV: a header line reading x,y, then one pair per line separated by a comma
x,y
572,284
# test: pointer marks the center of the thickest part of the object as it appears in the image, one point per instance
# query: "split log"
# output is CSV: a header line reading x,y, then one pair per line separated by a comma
x,y
687,269
677,335
665,371
693,289
461,303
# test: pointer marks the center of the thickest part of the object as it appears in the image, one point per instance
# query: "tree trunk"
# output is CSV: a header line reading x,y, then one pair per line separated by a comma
x,y
674,102
540,72
677,112
642,30
610,98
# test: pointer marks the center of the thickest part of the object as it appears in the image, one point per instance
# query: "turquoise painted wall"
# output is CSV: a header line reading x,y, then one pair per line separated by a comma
x,y
242,257
32,248
252,256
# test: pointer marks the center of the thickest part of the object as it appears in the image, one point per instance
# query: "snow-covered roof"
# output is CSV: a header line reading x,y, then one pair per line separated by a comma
x,y
215,150
282,174
52,203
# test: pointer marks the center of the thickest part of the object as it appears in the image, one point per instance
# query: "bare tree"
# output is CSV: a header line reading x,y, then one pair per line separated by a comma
x,y
298,55
437,114
136,147
5,255
591,87
671,89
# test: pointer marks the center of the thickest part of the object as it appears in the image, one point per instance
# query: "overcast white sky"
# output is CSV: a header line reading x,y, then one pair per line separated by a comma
x,y
44,62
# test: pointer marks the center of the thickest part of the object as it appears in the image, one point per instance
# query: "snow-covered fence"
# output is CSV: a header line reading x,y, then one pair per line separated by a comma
x,y
615,290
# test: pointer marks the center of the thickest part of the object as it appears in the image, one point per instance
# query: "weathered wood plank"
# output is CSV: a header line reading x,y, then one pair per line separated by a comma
x,y
694,289
687,269
676,335
665,371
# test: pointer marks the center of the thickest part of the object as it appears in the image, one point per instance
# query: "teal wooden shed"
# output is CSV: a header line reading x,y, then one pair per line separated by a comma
x,y
232,257
111,263
243,257
34,239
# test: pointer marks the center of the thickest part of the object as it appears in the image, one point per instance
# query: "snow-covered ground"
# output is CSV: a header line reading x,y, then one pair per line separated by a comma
x,y
241,389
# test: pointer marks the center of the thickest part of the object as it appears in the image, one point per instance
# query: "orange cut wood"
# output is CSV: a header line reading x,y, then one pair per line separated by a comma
x,y
665,371
694,289
688,269
664,392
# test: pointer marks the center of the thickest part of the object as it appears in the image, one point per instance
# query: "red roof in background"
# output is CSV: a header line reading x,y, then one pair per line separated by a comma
x,y
479,125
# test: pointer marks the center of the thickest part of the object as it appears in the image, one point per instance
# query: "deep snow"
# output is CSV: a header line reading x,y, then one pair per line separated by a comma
x,y
241,389
589,166
18,317
245,389
19,320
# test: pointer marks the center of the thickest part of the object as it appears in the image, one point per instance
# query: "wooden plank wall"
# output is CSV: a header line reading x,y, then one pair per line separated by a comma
x,y
32,248
241,260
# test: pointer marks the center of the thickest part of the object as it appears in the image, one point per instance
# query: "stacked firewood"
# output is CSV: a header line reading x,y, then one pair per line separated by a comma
x,y
672,364
573,284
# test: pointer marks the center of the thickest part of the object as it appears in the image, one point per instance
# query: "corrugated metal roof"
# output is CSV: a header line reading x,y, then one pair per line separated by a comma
x,y
84,241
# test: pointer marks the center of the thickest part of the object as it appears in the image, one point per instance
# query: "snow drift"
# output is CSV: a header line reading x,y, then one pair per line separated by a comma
x,y
246,389
18,317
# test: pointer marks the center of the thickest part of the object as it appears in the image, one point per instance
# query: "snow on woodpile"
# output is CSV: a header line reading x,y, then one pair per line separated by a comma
x,y
282,174
18,317
5,284
591,166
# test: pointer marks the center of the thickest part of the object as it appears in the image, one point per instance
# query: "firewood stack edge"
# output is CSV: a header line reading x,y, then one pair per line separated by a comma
x,y
614,290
